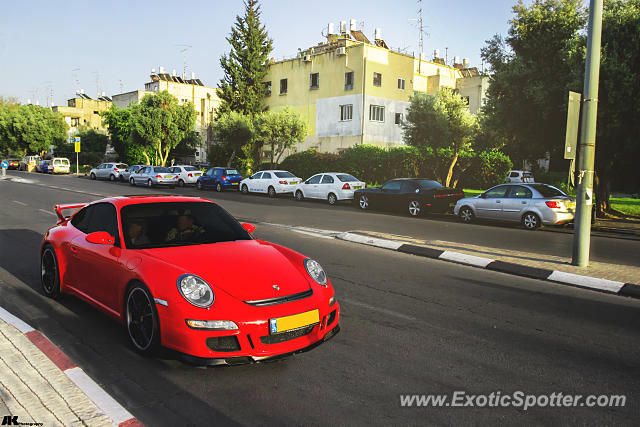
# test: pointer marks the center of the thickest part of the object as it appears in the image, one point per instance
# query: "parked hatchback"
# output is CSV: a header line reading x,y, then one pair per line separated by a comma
x,y
530,204
154,175
187,175
520,176
220,178
270,182
329,186
110,171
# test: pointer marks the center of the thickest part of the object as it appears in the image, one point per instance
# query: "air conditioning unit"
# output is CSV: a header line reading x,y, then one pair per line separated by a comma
x,y
341,51
307,58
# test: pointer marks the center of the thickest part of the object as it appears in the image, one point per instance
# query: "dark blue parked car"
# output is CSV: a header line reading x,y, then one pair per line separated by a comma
x,y
220,179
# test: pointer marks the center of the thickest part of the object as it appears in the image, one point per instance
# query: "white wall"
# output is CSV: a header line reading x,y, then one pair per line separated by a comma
x,y
328,116
386,131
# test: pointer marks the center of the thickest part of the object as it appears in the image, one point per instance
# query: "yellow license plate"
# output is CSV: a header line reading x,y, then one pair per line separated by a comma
x,y
357,187
293,182
234,183
287,323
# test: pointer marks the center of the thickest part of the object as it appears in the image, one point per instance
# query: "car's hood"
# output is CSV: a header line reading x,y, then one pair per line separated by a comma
x,y
247,269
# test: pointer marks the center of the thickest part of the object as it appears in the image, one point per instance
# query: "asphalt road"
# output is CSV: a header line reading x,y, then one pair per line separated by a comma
x,y
409,325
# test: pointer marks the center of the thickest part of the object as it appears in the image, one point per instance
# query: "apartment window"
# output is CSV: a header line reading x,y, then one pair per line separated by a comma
x,y
376,113
267,86
346,112
377,79
398,118
348,80
466,98
401,84
75,122
283,86
314,80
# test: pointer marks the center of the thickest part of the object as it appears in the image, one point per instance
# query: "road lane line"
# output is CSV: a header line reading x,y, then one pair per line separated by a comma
x,y
47,212
20,203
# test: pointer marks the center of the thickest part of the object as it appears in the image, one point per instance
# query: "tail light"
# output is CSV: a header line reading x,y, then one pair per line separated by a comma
x,y
346,186
553,204
115,169
158,176
283,182
224,178
189,175
441,195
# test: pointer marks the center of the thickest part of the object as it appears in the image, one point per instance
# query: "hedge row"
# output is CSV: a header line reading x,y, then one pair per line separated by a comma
x,y
375,165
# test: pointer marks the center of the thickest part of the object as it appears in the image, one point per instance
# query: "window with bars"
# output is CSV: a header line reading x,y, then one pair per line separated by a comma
x,y
283,86
401,84
314,81
398,118
376,113
348,80
377,79
346,112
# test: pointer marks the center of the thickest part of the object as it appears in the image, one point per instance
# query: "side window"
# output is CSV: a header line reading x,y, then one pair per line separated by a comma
x,y
409,187
519,192
209,172
315,179
103,218
513,175
496,193
392,186
266,175
81,219
218,172
327,179
257,175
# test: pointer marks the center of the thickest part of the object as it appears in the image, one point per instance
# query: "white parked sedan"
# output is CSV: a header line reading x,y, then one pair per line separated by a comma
x,y
532,204
271,182
187,175
329,186
153,175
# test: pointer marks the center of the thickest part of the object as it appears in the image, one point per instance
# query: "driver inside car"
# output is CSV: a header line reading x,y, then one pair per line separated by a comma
x,y
186,230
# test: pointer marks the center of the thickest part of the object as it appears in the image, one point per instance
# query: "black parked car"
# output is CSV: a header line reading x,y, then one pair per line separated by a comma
x,y
412,195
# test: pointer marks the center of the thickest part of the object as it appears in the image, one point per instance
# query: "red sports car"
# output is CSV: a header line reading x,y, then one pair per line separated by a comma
x,y
181,272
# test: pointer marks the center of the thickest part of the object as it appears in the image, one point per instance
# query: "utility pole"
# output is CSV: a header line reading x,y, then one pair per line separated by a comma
x,y
584,199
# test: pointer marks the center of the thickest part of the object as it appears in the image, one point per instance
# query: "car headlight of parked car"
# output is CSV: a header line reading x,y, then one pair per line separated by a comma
x,y
195,290
314,269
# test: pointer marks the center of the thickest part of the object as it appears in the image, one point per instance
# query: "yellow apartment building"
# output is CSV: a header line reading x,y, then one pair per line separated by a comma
x,y
352,91
84,111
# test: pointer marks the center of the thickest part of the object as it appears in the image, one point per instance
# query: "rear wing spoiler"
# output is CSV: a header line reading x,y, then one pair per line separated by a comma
x,y
59,208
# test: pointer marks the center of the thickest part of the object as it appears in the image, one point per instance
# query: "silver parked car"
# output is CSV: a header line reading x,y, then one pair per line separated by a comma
x,y
186,174
126,174
110,171
531,204
153,175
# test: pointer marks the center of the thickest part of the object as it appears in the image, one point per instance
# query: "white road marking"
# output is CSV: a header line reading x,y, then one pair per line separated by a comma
x,y
586,281
20,203
47,212
465,259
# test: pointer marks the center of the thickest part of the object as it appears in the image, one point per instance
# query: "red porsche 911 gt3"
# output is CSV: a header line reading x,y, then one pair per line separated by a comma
x,y
181,272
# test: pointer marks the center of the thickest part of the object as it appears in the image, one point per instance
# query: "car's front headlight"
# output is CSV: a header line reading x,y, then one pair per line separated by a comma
x,y
314,269
195,290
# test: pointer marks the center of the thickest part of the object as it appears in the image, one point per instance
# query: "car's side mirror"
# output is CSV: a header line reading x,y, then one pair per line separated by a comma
x,y
306,182
249,227
100,238
483,195
250,177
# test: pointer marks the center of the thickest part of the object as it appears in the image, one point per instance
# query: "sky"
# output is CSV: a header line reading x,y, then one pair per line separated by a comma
x,y
111,46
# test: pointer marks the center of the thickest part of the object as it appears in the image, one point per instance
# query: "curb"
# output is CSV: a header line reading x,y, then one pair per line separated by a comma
x,y
602,285
103,400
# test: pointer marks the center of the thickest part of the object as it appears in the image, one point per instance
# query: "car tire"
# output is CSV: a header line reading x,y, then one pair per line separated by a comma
x,y
531,221
363,202
112,177
244,189
219,188
132,182
271,192
149,183
50,273
299,196
199,185
141,320
181,183
466,214
332,199
414,208
92,176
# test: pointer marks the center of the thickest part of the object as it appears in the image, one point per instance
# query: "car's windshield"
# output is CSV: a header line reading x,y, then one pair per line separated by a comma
x,y
426,184
283,175
231,172
347,178
190,168
161,169
548,191
121,166
159,225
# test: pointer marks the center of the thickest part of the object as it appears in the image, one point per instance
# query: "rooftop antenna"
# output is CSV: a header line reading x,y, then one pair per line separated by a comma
x,y
97,73
185,48
421,29
74,74
121,86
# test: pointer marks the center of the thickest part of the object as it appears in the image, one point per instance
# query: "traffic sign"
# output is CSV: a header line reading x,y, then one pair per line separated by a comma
x,y
5,164
77,141
573,123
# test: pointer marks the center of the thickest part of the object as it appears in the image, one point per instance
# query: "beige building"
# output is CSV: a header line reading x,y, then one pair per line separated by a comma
x,y
124,100
350,90
84,111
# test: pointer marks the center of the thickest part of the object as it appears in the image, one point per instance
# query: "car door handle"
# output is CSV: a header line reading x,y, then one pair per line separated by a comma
x,y
524,203
74,249
498,201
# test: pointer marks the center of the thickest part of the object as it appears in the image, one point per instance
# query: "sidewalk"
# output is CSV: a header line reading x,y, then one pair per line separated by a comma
x,y
40,385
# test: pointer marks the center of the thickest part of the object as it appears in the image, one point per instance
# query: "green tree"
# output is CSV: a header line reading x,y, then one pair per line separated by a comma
x,y
118,122
31,128
442,122
532,72
245,67
159,124
234,130
280,131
